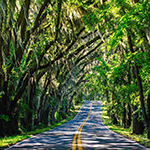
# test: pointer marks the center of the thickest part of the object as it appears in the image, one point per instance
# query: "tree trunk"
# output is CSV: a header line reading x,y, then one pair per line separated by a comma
x,y
44,115
52,115
113,117
5,115
138,126
124,116
129,115
9,125
42,98
139,83
32,93
148,104
1,58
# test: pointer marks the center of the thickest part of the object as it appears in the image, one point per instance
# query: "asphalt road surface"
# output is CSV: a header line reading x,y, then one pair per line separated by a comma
x,y
85,132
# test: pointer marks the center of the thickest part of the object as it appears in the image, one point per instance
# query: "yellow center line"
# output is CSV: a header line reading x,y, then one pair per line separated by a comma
x,y
78,132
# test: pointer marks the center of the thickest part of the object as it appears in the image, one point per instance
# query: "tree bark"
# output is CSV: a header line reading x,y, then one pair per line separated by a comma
x,y
148,104
124,116
113,117
32,93
129,115
1,57
138,126
139,83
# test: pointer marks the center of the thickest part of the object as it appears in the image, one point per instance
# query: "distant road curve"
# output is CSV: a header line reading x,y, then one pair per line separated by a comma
x,y
85,132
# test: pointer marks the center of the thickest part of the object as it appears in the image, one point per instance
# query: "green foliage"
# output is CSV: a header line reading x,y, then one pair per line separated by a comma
x,y
46,61
9,140
4,117
56,115
126,132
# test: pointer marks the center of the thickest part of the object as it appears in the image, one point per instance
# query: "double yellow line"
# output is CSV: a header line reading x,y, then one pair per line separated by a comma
x,y
78,132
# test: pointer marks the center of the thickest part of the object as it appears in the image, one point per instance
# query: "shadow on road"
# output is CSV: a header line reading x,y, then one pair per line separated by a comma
x,y
95,135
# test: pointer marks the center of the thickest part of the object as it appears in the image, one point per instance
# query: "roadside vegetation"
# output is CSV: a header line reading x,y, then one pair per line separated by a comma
x,y
10,140
56,53
126,132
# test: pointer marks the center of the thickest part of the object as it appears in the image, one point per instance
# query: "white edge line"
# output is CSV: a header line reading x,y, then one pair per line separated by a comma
x,y
122,135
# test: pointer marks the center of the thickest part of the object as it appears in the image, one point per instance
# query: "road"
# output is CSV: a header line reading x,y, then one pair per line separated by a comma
x,y
85,132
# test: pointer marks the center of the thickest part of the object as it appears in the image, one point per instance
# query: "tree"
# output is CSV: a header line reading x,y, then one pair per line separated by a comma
x,y
28,53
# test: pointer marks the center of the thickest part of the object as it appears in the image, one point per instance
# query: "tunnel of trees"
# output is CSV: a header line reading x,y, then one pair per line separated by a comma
x,y
55,53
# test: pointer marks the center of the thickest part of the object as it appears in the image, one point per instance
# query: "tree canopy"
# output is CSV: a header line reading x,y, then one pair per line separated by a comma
x,y
54,54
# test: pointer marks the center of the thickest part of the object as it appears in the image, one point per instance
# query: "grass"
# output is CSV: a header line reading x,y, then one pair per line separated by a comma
x,y
126,132
10,140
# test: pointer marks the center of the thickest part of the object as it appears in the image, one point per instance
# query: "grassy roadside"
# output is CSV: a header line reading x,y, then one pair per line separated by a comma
x,y
10,140
125,132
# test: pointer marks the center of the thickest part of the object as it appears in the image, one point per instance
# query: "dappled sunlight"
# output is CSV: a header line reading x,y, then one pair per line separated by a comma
x,y
94,135
105,117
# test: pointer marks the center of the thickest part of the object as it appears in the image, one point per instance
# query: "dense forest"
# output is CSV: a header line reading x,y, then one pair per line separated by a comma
x,y
55,53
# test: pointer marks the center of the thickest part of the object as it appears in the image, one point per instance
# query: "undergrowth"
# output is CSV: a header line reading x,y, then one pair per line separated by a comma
x,y
10,140
126,132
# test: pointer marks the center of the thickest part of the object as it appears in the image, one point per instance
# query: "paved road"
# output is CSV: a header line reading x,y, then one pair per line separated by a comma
x,y
85,132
